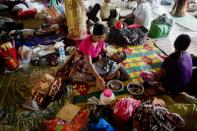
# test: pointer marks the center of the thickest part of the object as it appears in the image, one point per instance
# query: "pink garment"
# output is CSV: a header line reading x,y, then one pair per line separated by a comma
x,y
125,107
87,47
134,26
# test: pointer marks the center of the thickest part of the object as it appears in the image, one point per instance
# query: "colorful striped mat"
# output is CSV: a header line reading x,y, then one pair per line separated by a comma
x,y
139,58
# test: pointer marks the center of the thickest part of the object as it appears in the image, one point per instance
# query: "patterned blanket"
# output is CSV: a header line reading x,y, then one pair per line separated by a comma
x,y
139,58
15,88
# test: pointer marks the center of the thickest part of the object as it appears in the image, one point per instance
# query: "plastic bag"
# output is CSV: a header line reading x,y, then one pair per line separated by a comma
x,y
8,54
161,26
159,30
7,50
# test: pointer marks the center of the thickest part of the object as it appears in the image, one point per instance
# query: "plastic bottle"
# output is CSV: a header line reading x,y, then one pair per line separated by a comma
x,y
62,54
60,46
26,61
25,65
107,96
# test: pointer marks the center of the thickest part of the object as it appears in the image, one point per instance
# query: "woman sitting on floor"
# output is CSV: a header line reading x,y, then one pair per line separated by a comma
x,y
91,68
176,70
108,67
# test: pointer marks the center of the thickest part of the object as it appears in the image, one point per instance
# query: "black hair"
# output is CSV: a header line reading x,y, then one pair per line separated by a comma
x,y
181,44
99,29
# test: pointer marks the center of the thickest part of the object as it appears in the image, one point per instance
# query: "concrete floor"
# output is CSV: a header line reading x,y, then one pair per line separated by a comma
x,y
166,44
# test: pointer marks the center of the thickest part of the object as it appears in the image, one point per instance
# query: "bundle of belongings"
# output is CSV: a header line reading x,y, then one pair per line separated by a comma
x,y
36,45
128,35
8,24
47,90
69,118
111,116
32,37
20,8
8,55
132,113
161,26
155,117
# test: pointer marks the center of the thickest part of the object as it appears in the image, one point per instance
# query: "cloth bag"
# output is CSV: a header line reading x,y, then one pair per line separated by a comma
x,y
161,26
131,35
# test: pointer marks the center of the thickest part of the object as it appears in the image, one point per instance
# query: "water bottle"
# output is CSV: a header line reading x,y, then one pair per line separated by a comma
x,y
62,55
25,65
26,61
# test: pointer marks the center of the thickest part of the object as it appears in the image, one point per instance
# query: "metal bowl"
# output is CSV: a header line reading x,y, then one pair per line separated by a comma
x,y
135,89
115,85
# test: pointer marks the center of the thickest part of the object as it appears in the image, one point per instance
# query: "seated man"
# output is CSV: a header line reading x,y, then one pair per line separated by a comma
x,y
113,17
142,15
100,11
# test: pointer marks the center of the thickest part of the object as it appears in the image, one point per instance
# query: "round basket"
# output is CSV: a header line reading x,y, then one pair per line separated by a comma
x,y
115,85
135,89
